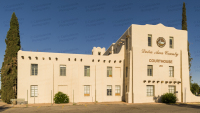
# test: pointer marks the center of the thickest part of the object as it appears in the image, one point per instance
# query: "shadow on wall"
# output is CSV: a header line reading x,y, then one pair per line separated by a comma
x,y
158,99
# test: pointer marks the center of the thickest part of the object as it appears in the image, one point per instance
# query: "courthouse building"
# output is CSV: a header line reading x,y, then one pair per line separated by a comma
x,y
143,64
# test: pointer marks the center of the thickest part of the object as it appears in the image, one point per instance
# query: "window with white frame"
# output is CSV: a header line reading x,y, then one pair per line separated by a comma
x,y
109,71
86,90
34,69
62,70
171,42
150,90
109,90
171,71
117,90
149,70
172,89
34,90
149,40
87,71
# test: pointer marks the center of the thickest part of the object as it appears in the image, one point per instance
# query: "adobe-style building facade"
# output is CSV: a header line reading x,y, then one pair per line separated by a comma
x,y
143,64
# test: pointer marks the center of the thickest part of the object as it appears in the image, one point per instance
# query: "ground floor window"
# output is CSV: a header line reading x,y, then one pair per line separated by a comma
x,y
87,90
172,89
34,90
109,90
117,90
150,90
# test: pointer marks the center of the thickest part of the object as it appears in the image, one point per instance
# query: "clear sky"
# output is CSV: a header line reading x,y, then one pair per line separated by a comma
x,y
76,26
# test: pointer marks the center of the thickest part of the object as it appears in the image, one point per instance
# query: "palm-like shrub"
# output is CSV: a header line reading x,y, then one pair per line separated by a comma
x,y
60,97
169,98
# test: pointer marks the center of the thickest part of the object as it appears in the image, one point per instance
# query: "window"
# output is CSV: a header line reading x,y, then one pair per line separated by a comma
x,y
172,89
109,71
149,70
126,71
87,71
171,71
99,53
62,70
150,90
171,42
126,43
117,90
86,90
34,69
149,40
34,90
109,90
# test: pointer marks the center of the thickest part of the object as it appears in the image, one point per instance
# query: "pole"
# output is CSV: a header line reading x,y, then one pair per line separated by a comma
x,y
27,96
34,95
51,97
73,96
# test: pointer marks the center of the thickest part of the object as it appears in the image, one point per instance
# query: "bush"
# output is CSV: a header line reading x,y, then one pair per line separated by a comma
x,y
60,97
169,98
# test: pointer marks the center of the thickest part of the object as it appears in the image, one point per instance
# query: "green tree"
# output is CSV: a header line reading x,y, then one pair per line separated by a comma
x,y
194,88
184,27
9,65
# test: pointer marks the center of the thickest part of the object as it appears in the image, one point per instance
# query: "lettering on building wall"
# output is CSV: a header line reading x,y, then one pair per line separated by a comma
x,y
160,61
159,52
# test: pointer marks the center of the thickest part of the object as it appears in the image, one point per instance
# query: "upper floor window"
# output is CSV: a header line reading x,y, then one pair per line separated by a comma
x,y
99,53
171,42
87,71
171,71
126,43
149,40
34,69
126,71
109,71
62,70
149,70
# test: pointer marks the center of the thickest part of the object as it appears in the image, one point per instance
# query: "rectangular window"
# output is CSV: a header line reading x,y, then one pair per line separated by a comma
x,y
109,90
34,90
99,53
172,89
150,90
117,90
126,43
149,70
149,40
87,71
171,42
109,71
87,90
126,71
34,69
62,70
171,71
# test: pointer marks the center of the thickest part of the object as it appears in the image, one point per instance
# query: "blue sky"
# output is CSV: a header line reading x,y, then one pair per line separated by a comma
x,y
76,26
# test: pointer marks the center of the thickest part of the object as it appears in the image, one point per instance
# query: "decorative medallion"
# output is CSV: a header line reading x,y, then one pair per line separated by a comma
x,y
161,42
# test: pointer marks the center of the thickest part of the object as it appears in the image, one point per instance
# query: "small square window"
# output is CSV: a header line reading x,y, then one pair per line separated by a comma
x,y
172,89
99,53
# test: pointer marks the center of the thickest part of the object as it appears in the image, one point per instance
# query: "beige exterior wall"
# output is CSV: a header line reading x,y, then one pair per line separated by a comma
x,y
133,86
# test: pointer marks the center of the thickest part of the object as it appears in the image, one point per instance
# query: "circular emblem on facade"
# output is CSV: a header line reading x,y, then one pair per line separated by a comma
x,y
161,42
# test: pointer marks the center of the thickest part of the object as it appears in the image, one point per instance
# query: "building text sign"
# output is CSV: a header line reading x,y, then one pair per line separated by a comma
x,y
160,61
158,52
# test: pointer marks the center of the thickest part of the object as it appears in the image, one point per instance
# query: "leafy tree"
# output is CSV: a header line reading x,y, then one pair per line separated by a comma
x,y
60,97
9,66
194,88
